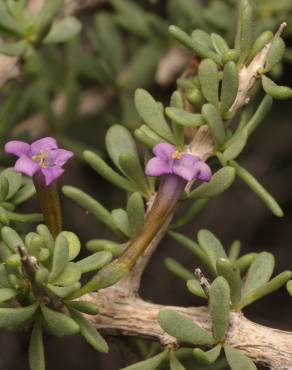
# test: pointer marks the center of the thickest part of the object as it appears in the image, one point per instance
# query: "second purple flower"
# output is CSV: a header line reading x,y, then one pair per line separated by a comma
x,y
169,160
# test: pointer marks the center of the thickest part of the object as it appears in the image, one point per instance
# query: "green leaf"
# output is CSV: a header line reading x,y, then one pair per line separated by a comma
x,y
63,31
289,287
36,348
183,328
259,272
260,114
46,236
198,48
13,318
245,29
64,292
121,221
195,97
209,79
108,40
90,334
245,261
119,141
149,364
89,308
230,85
195,288
49,10
258,189
208,357
275,53
262,40
234,251
237,360
90,205
131,167
219,44
104,170
60,257
211,245
183,118
58,323
276,91
25,193
42,275
236,145
7,23
203,38
132,17
74,244
219,306
69,276
148,137
19,217
14,180
6,294
96,245
175,363
266,289
11,238
152,115
178,269
195,249
232,276
135,210
220,181
215,123
4,188
94,262
13,49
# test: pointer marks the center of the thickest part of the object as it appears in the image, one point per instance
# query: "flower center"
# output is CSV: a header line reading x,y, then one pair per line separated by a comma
x,y
177,155
41,158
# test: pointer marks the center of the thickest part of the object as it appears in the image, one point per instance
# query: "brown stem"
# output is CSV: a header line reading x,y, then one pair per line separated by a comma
x,y
49,200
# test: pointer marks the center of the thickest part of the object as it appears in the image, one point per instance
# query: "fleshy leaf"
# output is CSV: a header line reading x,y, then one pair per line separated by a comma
x,y
58,323
237,360
90,334
149,364
219,306
36,348
220,181
183,328
259,272
152,115
209,79
94,262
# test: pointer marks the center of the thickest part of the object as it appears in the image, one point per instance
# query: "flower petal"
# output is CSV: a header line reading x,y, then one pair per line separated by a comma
x,y
26,165
204,172
164,151
185,167
157,167
60,156
17,148
51,174
45,144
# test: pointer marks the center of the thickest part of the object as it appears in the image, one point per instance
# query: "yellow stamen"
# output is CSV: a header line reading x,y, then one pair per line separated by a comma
x,y
176,155
41,158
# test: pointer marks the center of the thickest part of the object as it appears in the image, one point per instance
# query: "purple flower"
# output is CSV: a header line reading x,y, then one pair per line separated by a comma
x,y
168,160
41,156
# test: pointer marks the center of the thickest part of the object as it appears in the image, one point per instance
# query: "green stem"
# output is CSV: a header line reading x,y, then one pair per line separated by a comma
x,y
50,203
165,201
